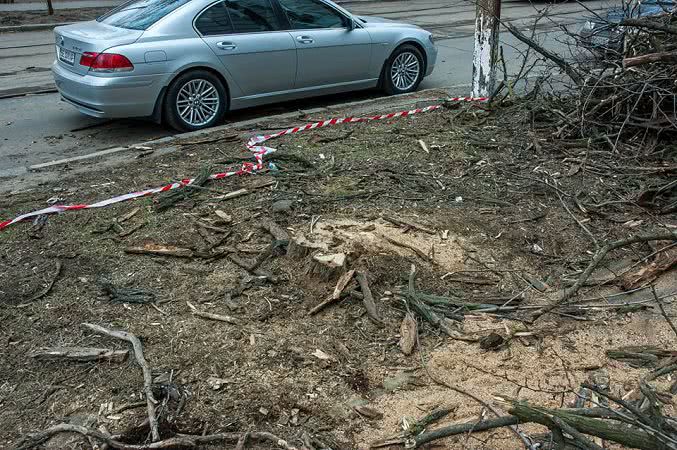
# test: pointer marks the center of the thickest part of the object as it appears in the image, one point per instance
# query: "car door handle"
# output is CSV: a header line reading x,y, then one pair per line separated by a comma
x,y
226,45
305,39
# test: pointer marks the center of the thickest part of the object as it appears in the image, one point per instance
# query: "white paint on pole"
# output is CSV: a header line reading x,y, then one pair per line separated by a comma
x,y
485,55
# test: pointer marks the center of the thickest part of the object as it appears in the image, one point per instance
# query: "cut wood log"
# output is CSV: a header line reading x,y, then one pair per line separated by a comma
x,y
79,354
327,267
300,247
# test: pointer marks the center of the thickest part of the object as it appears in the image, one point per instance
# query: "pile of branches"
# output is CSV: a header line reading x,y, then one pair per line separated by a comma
x,y
597,417
624,73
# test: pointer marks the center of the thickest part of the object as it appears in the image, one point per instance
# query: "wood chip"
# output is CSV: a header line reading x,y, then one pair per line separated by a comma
x,y
224,216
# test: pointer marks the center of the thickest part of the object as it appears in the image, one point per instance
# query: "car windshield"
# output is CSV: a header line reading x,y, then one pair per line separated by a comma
x,y
140,14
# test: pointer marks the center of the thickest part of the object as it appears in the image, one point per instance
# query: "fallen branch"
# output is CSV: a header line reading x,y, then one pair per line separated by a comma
x,y
469,427
79,354
599,256
666,57
210,316
616,432
47,288
33,440
408,224
660,306
147,376
341,286
418,252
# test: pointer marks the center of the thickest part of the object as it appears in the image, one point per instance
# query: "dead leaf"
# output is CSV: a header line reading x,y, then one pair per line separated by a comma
x,y
408,332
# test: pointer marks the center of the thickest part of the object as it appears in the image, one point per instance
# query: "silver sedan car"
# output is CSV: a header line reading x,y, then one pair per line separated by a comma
x,y
187,62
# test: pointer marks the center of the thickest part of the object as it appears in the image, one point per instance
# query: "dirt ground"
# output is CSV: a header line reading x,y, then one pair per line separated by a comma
x,y
59,16
487,185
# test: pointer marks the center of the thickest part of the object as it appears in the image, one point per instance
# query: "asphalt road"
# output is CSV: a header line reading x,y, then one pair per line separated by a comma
x,y
40,128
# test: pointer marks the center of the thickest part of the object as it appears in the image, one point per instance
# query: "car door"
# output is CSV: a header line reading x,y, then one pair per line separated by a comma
x,y
248,38
329,50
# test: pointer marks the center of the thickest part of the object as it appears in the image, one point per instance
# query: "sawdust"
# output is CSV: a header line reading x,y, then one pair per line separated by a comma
x,y
350,236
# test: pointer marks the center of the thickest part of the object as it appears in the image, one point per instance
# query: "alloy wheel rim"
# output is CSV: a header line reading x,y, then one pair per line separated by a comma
x,y
405,70
198,102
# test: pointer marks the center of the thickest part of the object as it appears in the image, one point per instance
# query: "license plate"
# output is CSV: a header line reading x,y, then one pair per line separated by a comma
x,y
66,56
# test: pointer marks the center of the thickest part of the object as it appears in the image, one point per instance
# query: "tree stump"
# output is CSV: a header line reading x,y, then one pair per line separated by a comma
x,y
300,247
328,267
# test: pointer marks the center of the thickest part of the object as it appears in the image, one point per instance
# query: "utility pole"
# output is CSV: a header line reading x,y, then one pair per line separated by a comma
x,y
485,56
50,8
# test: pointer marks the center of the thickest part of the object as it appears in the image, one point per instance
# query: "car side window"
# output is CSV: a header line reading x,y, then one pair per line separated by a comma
x,y
311,14
252,16
214,21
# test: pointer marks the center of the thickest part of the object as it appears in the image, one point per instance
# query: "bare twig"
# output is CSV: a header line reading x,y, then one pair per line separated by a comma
x,y
599,256
179,441
147,376
660,306
210,316
47,288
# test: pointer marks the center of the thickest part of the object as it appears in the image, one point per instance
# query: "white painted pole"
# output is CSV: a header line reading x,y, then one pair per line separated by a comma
x,y
485,56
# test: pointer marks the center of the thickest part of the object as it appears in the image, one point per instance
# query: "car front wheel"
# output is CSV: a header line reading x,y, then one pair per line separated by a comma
x,y
403,71
195,100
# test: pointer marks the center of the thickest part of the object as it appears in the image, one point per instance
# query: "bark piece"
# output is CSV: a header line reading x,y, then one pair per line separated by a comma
x,y
408,333
279,233
79,354
368,299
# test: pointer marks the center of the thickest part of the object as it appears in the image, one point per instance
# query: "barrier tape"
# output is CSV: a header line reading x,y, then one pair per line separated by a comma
x,y
254,145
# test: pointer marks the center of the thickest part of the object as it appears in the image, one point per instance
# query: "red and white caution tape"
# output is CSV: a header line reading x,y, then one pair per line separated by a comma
x,y
254,145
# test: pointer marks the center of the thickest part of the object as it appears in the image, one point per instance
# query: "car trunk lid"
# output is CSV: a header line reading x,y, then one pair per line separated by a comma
x,y
74,40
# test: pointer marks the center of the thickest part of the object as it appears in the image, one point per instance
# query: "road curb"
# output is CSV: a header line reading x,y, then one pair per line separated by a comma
x,y
174,140
32,27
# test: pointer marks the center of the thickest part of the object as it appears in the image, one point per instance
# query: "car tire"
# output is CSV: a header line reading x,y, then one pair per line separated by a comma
x,y
398,76
194,101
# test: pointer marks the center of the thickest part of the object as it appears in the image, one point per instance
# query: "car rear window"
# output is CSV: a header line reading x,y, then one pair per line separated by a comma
x,y
140,14
214,21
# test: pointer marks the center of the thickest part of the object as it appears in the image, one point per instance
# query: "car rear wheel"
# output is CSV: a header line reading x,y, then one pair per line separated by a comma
x,y
195,100
403,71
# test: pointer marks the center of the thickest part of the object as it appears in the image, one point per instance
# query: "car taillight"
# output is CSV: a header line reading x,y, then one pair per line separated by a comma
x,y
106,62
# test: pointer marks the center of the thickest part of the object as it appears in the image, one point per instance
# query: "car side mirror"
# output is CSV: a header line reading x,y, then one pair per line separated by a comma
x,y
351,24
